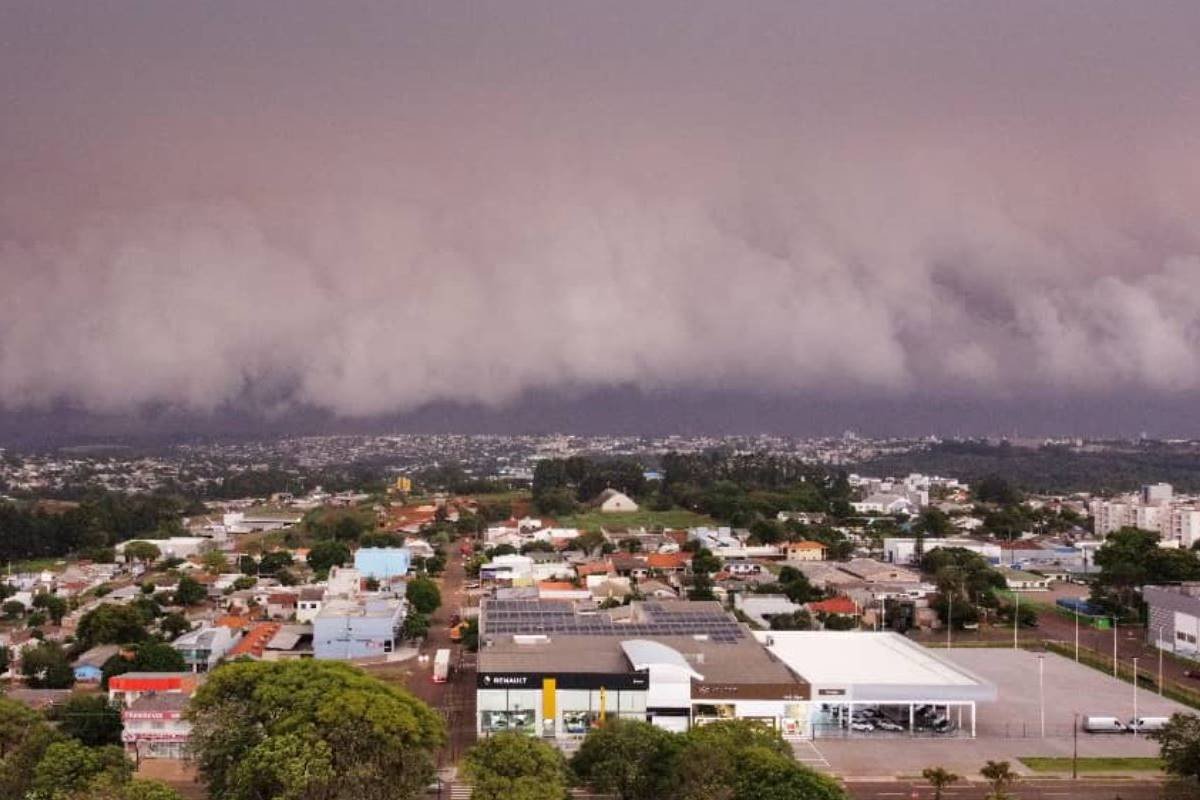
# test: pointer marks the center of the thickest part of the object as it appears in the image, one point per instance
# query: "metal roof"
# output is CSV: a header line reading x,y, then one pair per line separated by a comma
x,y
644,654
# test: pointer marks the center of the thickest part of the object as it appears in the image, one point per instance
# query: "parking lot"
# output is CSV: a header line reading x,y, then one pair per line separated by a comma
x,y
1011,727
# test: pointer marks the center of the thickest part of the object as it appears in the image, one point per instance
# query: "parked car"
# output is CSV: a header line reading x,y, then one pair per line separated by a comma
x,y
861,726
888,725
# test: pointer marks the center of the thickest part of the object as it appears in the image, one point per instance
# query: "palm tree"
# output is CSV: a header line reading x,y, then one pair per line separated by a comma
x,y
1000,776
939,778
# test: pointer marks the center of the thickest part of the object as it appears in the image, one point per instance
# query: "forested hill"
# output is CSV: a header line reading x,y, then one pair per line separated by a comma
x,y
1108,468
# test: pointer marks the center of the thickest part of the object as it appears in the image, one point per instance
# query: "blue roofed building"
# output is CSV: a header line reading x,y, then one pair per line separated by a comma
x,y
382,563
358,627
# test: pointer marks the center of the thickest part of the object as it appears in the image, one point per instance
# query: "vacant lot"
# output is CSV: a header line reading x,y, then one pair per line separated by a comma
x,y
1094,766
675,518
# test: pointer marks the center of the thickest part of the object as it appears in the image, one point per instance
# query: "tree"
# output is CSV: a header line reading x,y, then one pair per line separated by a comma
x,y
68,767
512,766
416,625
628,758
273,562
939,779
423,595
5,659
994,489
174,625
763,774
24,737
54,606
108,623
1000,777
328,553
300,729
13,609
91,719
145,552
1179,745
796,621
189,592
46,666
214,562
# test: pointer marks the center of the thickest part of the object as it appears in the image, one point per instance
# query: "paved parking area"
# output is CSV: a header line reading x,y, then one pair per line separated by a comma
x,y
1010,727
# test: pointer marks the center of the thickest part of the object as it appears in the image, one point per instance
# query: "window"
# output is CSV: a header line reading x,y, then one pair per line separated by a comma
x,y
579,722
499,721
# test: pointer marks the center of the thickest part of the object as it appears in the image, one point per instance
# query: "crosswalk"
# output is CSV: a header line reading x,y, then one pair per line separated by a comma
x,y
460,791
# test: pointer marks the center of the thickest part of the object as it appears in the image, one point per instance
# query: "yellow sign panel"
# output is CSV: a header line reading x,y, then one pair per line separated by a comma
x,y
549,698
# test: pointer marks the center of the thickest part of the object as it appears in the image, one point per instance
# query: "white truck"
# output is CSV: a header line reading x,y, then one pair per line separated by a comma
x,y
441,666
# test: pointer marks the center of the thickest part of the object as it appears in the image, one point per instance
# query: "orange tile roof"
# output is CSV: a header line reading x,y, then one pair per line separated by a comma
x,y
592,568
233,621
254,642
668,560
834,605
805,545
556,585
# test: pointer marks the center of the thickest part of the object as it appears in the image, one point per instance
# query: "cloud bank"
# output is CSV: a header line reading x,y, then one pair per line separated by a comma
x,y
377,208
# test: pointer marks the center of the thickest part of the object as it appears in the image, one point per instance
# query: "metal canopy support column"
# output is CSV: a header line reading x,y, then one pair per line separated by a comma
x,y
912,719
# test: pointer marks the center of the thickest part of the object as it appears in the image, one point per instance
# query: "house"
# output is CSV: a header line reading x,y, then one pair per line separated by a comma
x,y
308,605
886,503
252,644
669,563
761,607
289,642
203,648
281,605
358,628
804,551
126,689
740,568
611,501
802,517
835,605
89,665
382,562
1024,581
155,726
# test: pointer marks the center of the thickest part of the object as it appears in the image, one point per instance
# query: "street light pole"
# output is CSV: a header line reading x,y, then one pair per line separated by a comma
x,y
1159,643
1075,749
1136,724
1016,616
1042,692
949,619
1114,619
1076,636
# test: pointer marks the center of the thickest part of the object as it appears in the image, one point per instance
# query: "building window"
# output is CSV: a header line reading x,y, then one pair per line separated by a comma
x,y
715,712
500,721
579,722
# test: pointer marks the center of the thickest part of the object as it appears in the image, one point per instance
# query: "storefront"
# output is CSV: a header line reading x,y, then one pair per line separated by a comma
x,y
557,705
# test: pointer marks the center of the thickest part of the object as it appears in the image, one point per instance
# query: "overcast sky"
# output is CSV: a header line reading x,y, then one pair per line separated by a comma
x,y
370,209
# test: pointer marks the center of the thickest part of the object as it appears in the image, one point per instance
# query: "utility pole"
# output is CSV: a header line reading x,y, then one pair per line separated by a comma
x,y
1042,692
1159,643
1076,636
949,619
1016,616
1114,619
1137,725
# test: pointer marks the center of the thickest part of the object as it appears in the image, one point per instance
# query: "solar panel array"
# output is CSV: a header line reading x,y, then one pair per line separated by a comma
x,y
516,617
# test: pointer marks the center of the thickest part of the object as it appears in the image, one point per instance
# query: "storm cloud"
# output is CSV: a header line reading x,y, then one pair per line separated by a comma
x,y
366,208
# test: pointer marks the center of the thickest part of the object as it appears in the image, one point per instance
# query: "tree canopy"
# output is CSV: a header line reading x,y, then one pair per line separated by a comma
x,y
423,595
513,766
109,623
315,729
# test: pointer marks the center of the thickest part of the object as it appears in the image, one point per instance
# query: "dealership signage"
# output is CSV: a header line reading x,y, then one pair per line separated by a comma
x,y
568,680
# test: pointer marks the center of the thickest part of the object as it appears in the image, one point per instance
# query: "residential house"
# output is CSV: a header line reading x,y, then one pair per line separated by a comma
x,y
155,726
88,666
309,603
203,648
804,551
358,628
281,605
126,689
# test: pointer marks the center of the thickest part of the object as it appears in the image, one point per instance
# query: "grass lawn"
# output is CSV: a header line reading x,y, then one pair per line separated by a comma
x,y
1094,765
39,564
675,518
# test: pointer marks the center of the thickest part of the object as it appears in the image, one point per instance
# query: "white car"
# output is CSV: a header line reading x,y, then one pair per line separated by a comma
x,y
861,726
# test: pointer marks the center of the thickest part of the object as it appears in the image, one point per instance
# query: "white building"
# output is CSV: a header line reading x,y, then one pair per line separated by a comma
x,y
155,727
611,501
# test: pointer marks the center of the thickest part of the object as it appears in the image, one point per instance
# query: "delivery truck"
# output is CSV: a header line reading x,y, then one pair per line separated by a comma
x,y
441,666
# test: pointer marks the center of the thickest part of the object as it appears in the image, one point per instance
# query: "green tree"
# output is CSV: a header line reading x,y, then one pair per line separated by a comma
x,y
423,595
145,552
146,657
631,759
310,729
13,609
939,778
796,621
56,608
68,767
328,553
91,719
763,774
174,625
512,766
24,737
109,623
1179,745
214,561
1000,777
46,666
189,592
273,562
416,625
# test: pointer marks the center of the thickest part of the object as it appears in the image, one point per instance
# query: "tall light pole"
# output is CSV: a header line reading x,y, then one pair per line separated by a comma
x,y
1076,636
1114,619
1016,616
949,618
1160,660
1042,692
1136,724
